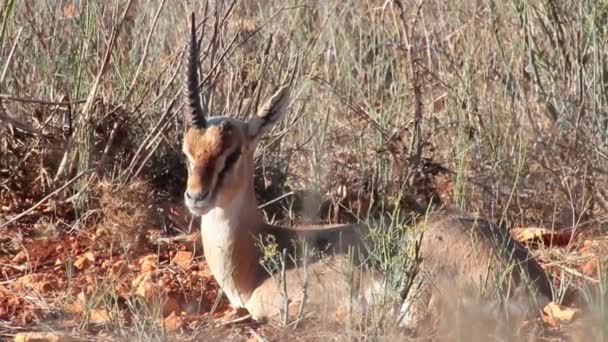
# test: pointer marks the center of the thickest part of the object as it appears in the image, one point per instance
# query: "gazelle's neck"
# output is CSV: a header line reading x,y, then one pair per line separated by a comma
x,y
230,248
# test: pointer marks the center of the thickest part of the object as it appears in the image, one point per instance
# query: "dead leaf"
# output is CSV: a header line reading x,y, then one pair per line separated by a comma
x,y
70,11
182,259
122,290
41,337
90,256
73,307
548,236
119,268
148,291
205,271
38,283
234,313
20,257
99,316
81,263
79,305
84,261
81,297
588,246
173,322
48,286
3,295
148,263
90,280
29,279
36,251
554,314
144,277
341,314
590,268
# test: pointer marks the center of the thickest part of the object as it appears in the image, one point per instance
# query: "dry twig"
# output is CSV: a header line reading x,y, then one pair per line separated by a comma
x,y
46,198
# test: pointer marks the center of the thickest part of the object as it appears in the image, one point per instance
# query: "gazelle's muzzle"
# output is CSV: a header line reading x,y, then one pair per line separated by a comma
x,y
197,202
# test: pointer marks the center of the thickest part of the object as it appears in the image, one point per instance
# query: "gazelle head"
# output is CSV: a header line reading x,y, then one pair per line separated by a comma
x,y
219,149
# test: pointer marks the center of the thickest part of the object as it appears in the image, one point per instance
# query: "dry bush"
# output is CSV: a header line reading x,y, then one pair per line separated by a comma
x,y
125,211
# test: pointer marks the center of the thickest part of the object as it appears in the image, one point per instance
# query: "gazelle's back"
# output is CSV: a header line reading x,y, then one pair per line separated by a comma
x,y
461,256
464,256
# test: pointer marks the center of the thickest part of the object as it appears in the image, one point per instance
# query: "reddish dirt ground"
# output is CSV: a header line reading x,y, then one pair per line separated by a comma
x,y
64,277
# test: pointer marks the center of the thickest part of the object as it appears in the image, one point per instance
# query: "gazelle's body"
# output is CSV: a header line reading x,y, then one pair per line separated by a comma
x,y
455,248
231,238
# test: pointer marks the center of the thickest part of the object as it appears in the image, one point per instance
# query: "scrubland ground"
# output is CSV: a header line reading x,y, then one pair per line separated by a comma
x,y
496,107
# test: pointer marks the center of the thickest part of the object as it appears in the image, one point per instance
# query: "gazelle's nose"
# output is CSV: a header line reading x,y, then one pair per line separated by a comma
x,y
196,196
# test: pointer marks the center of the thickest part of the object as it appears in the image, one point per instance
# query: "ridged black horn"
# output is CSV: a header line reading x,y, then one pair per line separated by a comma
x,y
197,116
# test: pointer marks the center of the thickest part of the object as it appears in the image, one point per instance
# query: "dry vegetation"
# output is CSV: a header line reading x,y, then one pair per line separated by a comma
x,y
497,107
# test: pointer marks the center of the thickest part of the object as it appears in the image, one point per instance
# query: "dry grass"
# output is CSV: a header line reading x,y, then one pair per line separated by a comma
x,y
499,108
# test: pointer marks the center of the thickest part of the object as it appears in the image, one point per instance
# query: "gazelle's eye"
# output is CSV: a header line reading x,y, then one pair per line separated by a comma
x,y
230,161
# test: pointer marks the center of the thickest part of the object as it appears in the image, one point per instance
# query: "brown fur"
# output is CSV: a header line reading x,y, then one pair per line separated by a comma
x,y
464,257
205,147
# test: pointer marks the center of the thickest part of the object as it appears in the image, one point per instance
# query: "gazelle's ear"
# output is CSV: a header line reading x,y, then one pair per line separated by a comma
x,y
269,113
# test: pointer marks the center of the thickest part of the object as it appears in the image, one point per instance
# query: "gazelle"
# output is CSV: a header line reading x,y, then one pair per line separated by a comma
x,y
456,248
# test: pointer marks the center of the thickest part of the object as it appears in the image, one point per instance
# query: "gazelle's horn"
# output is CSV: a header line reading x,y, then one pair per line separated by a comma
x,y
197,116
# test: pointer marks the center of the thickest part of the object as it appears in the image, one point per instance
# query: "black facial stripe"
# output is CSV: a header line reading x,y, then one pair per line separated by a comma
x,y
228,163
